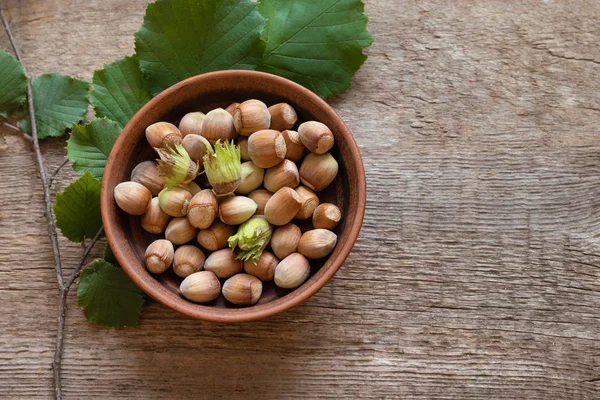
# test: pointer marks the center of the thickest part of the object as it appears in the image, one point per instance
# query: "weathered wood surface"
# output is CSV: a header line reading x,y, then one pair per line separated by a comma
x,y
477,273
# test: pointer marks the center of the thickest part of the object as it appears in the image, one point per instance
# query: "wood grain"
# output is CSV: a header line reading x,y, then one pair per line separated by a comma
x,y
476,274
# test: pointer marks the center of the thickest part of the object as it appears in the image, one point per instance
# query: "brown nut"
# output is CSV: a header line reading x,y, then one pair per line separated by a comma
x,y
294,149
292,271
283,174
309,202
163,134
260,197
284,240
159,256
202,209
215,236
201,287
242,289
196,147
218,125
243,145
191,187
317,243
316,136
223,263
266,148
251,116
132,197
317,171
231,108
326,216
252,178
180,231
155,220
191,124
147,174
283,116
264,269
175,202
283,206
188,259
237,209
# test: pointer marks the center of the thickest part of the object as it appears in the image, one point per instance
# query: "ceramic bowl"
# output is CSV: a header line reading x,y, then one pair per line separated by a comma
x,y
202,93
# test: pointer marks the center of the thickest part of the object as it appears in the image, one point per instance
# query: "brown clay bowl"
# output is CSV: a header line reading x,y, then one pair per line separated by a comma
x,y
205,92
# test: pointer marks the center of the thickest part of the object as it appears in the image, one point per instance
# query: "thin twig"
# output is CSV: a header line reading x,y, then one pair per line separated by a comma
x,y
25,136
87,250
63,291
39,158
62,310
56,171
11,126
10,35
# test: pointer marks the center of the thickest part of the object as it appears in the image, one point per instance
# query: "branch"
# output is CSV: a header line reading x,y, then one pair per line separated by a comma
x,y
56,171
87,250
62,309
30,139
10,35
25,136
56,365
39,158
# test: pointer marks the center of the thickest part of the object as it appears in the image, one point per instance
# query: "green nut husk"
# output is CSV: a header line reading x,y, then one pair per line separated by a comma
x,y
223,167
251,238
176,166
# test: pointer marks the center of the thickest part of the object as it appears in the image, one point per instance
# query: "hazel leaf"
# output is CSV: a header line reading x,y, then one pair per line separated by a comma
x,y
59,102
77,209
119,90
315,43
109,256
183,38
13,84
108,296
89,145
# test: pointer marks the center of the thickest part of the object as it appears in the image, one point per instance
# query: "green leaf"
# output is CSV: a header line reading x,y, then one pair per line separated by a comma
x,y
315,43
108,296
13,84
77,209
183,38
89,145
119,90
59,101
109,256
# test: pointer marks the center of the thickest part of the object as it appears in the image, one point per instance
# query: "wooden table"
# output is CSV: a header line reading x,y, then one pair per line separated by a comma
x,y
477,272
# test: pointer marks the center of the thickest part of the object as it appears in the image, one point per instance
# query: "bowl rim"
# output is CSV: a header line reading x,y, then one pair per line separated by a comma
x,y
257,311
